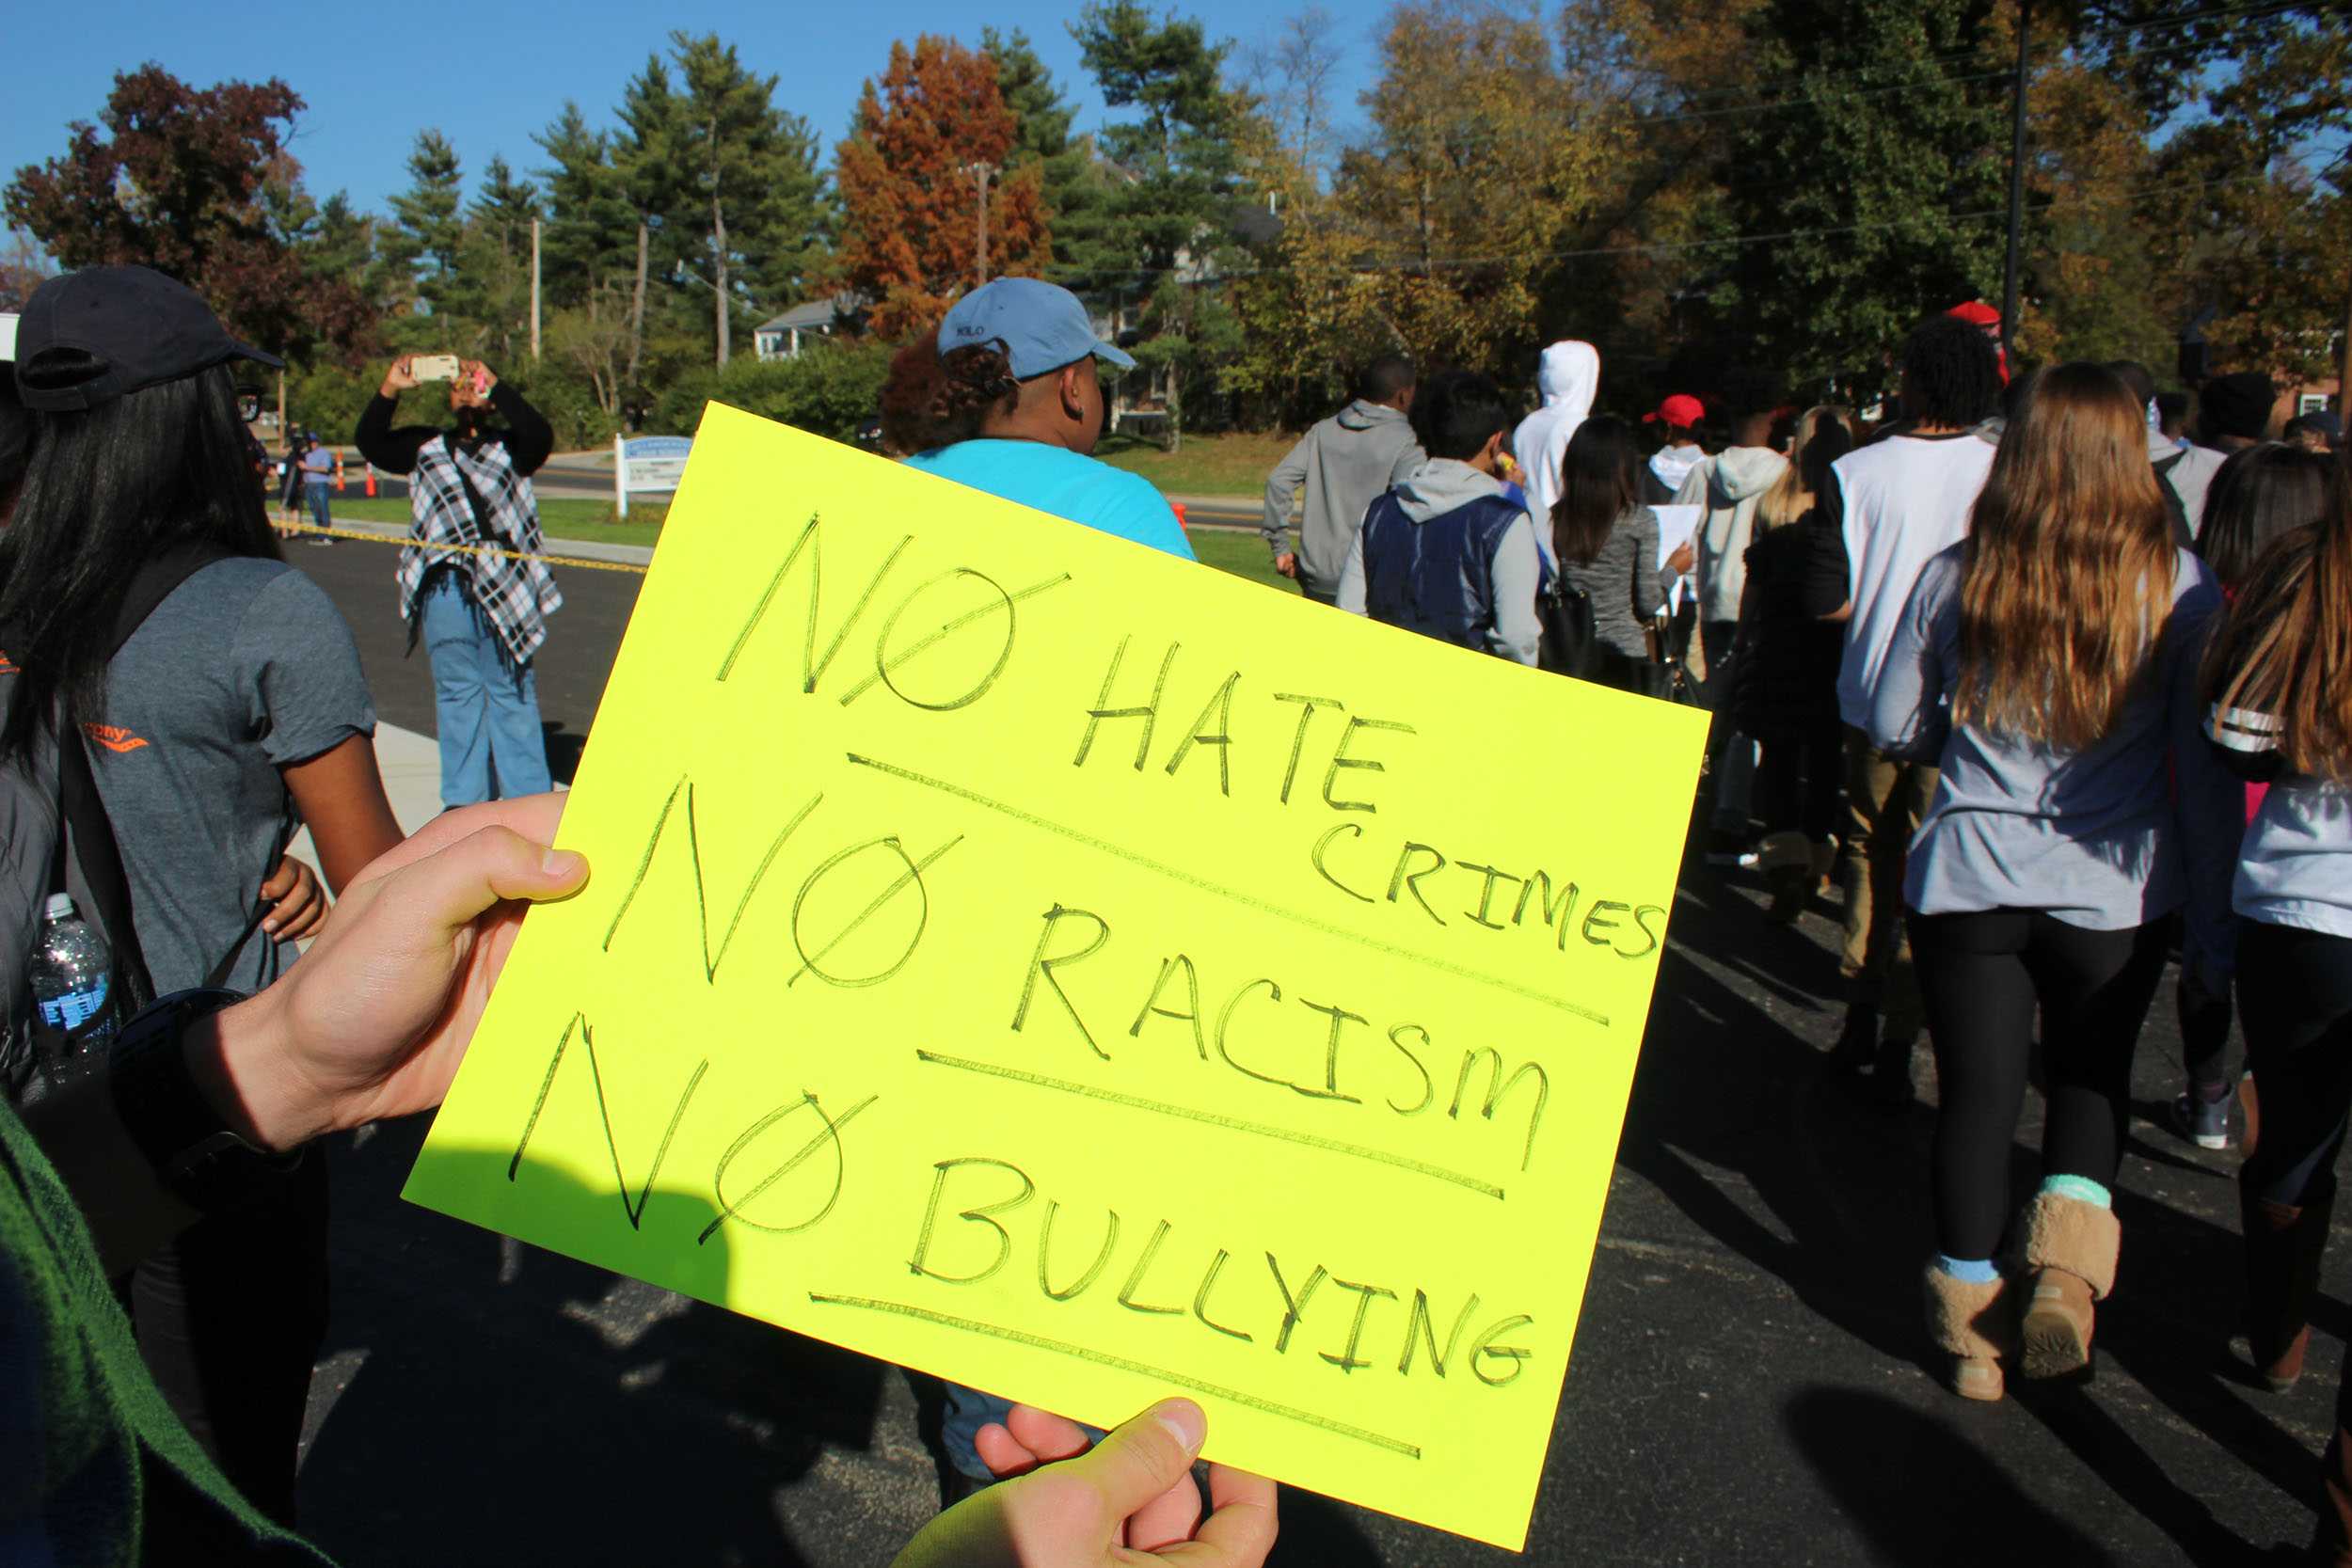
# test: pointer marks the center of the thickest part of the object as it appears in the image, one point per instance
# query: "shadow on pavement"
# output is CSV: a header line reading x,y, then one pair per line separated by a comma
x,y
1922,1494
1739,1120
559,1414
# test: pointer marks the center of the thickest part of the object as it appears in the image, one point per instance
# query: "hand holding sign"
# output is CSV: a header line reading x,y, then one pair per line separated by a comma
x,y
1080,974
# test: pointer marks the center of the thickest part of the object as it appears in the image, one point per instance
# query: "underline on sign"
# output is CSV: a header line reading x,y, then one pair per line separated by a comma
x,y
1102,1358
1250,900
1235,1124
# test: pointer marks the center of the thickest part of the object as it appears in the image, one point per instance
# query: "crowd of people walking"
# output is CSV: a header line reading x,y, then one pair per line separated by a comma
x,y
2051,683
2056,690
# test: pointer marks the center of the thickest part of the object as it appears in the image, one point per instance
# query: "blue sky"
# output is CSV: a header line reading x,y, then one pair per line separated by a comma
x,y
489,74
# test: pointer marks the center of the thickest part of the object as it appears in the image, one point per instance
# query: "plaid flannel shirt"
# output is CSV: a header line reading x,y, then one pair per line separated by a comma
x,y
515,595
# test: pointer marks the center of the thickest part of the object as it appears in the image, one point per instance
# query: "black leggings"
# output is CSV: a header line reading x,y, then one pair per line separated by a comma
x,y
1798,782
2295,998
230,1318
1981,975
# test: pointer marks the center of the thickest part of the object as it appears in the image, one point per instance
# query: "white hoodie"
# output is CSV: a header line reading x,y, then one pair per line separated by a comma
x,y
1568,378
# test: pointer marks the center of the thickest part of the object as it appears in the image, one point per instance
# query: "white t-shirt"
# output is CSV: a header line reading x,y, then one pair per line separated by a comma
x,y
1907,501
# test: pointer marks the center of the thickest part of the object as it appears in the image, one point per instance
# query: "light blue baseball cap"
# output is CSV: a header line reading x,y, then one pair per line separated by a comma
x,y
1041,325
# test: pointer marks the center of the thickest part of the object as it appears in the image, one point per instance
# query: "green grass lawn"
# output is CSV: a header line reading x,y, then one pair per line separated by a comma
x,y
1229,465
560,518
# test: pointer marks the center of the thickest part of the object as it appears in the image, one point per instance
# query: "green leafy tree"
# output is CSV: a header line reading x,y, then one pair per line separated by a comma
x,y
1885,167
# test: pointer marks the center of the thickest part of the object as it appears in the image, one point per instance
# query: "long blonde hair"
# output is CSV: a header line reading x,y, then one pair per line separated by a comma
x,y
1792,494
2286,650
2068,568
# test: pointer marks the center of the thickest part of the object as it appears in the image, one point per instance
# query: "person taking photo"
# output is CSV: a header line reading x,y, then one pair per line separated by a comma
x,y
470,580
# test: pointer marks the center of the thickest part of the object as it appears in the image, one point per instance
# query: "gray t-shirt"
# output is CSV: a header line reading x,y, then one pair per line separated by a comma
x,y
246,668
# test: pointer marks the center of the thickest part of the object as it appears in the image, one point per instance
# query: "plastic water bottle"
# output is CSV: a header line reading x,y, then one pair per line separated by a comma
x,y
71,971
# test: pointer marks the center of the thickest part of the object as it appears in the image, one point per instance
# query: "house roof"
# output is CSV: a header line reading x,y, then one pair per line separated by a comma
x,y
816,314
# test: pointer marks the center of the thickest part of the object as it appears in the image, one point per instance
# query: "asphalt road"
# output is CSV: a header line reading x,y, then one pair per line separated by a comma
x,y
585,479
1748,1384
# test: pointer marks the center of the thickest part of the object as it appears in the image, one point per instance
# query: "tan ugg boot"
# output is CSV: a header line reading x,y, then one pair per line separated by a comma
x,y
1973,1323
2071,1249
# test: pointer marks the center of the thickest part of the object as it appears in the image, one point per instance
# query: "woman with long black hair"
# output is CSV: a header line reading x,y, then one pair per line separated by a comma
x,y
1605,540
2048,664
233,714
2279,680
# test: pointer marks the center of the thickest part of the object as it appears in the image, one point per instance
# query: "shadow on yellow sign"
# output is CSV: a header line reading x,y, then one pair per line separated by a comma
x,y
1087,976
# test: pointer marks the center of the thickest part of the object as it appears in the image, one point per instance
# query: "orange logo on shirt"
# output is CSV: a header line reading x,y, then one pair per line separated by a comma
x,y
7,665
114,737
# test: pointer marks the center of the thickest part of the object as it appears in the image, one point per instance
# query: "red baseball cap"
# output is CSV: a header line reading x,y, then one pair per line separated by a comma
x,y
1680,412
1975,312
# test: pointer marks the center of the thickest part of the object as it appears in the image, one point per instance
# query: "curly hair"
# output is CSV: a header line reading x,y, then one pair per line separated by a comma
x,y
976,381
1952,373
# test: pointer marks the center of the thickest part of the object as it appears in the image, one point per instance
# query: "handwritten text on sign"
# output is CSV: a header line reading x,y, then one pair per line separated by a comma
x,y
1071,970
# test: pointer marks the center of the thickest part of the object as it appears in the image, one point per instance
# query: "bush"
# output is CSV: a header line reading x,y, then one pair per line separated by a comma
x,y
570,404
830,390
328,399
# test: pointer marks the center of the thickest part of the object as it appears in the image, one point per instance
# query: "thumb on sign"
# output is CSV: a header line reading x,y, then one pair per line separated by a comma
x,y
1085,1507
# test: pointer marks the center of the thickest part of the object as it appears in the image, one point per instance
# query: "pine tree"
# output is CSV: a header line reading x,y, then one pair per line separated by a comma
x,y
587,249
751,175
427,231
647,159
1170,187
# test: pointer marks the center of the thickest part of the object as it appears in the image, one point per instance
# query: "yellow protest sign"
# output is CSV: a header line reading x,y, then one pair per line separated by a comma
x,y
1024,956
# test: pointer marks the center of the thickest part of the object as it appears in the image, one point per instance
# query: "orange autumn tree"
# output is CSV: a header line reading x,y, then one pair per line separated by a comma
x,y
909,201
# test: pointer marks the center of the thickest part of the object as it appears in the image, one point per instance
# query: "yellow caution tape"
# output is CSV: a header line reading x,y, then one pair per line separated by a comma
x,y
375,538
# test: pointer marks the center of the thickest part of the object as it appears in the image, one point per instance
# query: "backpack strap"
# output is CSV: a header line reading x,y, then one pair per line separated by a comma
x,y
82,812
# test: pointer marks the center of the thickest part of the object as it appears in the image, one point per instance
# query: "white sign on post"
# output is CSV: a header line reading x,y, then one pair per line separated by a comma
x,y
647,463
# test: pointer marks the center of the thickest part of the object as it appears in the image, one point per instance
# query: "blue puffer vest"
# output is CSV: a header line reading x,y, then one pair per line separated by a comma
x,y
1435,578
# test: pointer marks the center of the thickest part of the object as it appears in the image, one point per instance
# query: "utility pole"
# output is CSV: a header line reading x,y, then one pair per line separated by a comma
x,y
2343,363
2016,190
534,290
982,173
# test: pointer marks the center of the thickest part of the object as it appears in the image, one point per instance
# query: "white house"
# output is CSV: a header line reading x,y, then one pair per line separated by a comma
x,y
783,336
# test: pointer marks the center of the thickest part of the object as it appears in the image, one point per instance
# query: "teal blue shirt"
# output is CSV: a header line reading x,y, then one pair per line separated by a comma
x,y
1056,479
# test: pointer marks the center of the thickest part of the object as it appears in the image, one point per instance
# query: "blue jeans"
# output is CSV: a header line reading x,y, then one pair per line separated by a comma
x,y
487,711
314,491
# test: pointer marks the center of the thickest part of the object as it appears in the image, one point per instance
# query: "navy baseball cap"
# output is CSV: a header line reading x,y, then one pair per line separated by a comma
x,y
138,328
1041,325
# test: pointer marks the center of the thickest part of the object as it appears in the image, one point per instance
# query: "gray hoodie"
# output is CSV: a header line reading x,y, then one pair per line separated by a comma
x,y
1729,484
1440,485
1345,463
